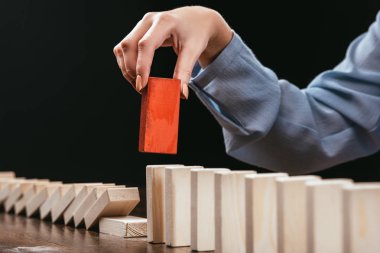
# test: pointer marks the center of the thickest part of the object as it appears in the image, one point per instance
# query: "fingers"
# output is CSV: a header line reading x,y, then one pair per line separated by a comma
x,y
187,58
126,50
120,62
157,34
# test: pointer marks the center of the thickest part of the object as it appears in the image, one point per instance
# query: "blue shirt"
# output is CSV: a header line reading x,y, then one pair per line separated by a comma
x,y
271,123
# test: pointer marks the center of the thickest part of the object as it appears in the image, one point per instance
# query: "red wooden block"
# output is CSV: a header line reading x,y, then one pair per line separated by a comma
x,y
159,116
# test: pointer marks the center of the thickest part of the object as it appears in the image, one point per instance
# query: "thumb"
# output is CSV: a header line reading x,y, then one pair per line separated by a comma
x,y
183,69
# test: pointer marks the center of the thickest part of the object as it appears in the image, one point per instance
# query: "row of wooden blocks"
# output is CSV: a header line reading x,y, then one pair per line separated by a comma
x,y
242,211
76,204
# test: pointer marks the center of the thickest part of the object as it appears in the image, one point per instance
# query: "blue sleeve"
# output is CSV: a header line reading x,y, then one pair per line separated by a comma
x,y
273,124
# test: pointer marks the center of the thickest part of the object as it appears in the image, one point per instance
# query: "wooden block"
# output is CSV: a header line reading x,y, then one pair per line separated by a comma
x,y
261,212
7,185
229,211
361,218
35,202
19,189
52,200
155,202
159,116
7,174
292,214
178,205
20,205
203,209
325,215
123,226
113,202
66,199
68,215
90,199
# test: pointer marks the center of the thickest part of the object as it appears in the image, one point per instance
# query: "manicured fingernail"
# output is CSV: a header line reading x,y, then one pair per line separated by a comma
x,y
185,90
138,83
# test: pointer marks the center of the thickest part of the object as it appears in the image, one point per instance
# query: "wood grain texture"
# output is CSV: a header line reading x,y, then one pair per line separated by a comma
x,y
261,212
325,215
230,211
292,213
155,201
178,205
123,226
159,117
361,218
203,209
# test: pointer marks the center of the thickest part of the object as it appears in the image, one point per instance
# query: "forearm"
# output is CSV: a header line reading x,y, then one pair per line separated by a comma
x,y
273,124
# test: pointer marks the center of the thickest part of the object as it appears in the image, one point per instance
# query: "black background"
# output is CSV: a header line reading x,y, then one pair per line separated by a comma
x,y
67,114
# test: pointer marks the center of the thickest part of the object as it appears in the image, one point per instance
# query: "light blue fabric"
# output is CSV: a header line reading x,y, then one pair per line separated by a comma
x,y
273,124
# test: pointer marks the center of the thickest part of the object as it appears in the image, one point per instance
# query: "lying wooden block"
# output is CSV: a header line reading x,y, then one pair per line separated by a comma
x,y
325,215
35,202
261,212
19,189
292,214
361,218
203,209
7,174
229,211
66,199
155,202
159,116
113,202
90,199
123,226
68,215
178,205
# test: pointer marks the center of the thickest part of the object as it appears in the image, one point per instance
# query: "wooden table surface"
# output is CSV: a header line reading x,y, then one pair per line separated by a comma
x,y
21,234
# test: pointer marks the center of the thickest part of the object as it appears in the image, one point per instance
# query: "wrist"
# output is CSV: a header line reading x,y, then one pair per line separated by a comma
x,y
220,35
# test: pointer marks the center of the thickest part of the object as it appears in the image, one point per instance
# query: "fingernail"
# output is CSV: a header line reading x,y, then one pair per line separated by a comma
x,y
185,90
138,83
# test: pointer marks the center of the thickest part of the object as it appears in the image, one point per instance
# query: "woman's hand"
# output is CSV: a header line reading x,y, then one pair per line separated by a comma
x,y
195,33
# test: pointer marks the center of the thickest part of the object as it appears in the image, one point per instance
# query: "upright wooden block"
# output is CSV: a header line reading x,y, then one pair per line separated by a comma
x,y
361,218
90,199
203,209
292,214
261,212
229,211
35,202
112,202
159,116
178,205
68,215
325,215
155,202
123,226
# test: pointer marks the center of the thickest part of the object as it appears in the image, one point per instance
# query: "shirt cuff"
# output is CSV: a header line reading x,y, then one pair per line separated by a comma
x,y
242,94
